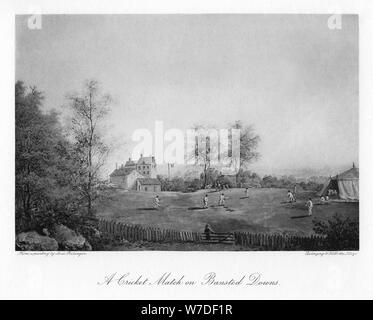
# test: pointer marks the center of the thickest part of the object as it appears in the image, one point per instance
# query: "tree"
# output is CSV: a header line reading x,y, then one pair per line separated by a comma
x,y
42,165
89,109
205,148
35,137
249,141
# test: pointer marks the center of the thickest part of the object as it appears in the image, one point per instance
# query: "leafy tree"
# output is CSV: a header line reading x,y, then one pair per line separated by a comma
x,y
249,141
204,150
248,145
89,109
44,167
37,136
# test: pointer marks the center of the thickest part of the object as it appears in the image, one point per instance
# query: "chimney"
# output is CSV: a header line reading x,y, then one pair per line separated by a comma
x,y
129,159
140,155
116,165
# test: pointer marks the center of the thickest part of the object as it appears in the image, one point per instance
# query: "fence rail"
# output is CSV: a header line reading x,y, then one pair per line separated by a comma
x,y
138,233
279,241
226,238
263,241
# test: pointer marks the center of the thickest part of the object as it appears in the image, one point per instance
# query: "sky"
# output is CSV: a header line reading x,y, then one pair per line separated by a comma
x,y
290,76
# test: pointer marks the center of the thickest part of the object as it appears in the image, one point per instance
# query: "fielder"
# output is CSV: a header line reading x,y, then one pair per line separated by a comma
x,y
309,205
291,197
156,202
205,201
222,200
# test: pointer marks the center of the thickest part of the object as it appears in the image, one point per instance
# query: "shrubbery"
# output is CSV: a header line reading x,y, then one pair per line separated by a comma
x,y
179,184
341,234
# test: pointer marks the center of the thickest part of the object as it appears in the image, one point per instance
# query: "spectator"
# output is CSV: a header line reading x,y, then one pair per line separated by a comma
x,y
208,231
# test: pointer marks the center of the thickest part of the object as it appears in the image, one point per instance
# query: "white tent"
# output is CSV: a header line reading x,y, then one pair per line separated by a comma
x,y
346,184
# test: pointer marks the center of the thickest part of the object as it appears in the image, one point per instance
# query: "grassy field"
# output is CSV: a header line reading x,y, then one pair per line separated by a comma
x,y
265,210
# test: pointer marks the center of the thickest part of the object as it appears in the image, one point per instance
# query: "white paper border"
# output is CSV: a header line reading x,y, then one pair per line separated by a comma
x,y
71,277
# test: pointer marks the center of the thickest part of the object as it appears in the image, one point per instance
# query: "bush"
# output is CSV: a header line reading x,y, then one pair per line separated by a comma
x,y
193,185
341,234
311,186
269,182
226,181
173,184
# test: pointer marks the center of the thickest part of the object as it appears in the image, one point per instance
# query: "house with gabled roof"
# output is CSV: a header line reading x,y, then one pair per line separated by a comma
x,y
127,176
147,166
124,178
148,184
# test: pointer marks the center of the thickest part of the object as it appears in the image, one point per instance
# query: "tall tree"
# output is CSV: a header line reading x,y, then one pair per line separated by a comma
x,y
207,148
89,109
205,153
249,141
40,161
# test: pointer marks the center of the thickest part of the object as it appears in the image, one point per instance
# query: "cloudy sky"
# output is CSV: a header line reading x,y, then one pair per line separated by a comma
x,y
290,76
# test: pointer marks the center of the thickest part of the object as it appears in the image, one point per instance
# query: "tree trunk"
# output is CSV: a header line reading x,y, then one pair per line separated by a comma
x,y
89,205
89,185
91,131
27,203
205,177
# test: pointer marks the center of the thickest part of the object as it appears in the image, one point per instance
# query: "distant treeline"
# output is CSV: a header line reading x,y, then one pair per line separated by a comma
x,y
243,179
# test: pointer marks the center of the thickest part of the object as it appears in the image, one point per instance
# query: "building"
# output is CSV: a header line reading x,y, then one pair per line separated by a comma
x,y
345,185
130,165
125,180
148,185
127,175
147,166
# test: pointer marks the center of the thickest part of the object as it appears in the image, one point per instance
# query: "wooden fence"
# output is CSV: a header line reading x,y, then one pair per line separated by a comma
x,y
261,241
138,233
274,242
225,238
